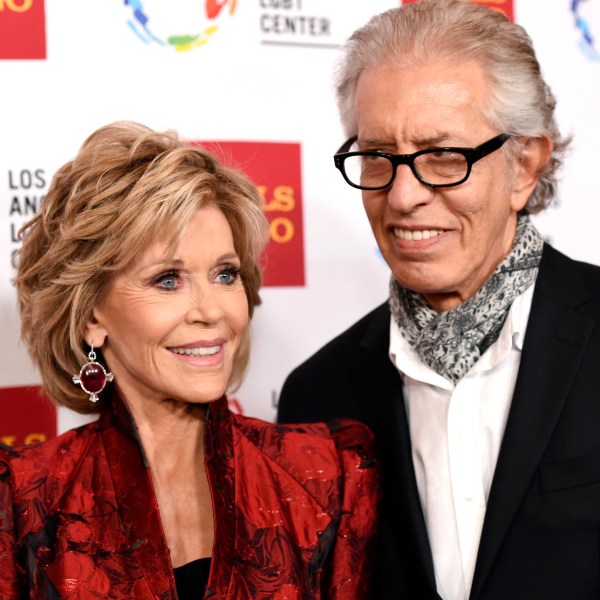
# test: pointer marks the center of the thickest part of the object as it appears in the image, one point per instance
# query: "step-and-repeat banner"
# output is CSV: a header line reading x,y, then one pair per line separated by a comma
x,y
252,80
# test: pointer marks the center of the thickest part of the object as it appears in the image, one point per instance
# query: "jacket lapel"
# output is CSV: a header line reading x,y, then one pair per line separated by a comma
x,y
379,386
219,458
556,337
136,502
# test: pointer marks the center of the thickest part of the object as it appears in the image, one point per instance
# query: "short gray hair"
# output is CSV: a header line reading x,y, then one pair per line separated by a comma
x,y
521,102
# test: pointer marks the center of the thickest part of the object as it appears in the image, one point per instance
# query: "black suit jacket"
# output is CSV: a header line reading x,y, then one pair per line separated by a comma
x,y
541,533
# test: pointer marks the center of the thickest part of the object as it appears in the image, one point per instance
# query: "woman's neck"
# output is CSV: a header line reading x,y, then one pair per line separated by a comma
x,y
172,435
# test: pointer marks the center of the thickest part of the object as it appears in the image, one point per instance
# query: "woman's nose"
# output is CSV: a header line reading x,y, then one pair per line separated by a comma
x,y
205,306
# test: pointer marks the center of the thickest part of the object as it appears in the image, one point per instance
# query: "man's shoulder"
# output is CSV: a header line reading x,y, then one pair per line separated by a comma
x,y
554,258
571,276
370,330
324,386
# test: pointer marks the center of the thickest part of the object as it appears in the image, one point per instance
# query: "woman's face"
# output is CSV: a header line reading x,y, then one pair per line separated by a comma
x,y
170,327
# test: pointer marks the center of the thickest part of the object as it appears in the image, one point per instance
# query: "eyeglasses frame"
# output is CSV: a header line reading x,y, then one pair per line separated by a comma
x,y
472,155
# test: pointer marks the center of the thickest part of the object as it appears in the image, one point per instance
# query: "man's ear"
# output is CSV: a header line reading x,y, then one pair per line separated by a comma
x,y
95,333
534,155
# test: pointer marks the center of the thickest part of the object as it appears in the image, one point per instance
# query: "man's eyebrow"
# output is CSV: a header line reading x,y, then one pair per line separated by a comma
x,y
424,141
434,140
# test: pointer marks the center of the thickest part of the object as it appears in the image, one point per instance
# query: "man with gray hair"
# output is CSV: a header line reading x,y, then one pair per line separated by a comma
x,y
479,375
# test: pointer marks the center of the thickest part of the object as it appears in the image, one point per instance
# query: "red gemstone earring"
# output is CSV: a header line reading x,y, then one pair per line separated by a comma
x,y
93,377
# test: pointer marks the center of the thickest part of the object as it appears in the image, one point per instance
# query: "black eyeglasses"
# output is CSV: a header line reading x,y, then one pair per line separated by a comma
x,y
435,167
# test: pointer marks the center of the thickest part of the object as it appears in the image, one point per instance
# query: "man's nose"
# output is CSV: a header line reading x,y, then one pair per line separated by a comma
x,y
406,192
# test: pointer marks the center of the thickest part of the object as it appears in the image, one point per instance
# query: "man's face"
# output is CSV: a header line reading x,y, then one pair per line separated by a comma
x,y
445,242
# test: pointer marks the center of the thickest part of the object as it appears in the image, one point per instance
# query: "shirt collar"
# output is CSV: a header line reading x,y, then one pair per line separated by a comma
x,y
511,337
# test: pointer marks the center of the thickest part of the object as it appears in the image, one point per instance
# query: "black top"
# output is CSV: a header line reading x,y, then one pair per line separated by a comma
x,y
191,579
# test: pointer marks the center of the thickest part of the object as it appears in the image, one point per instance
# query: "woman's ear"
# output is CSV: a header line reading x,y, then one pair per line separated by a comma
x,y
95,333
534,155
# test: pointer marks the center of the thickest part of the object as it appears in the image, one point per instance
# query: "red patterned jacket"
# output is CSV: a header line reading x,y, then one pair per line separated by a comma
x,y
295,511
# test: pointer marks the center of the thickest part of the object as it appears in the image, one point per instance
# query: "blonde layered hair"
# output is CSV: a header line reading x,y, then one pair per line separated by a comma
x,y
127,186
520,103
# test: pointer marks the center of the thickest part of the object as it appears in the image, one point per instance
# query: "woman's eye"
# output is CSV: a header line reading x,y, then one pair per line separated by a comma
x,y
228,276
167,281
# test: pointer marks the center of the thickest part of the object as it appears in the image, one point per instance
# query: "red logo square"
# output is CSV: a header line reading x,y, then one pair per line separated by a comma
x,y
275,170
22,29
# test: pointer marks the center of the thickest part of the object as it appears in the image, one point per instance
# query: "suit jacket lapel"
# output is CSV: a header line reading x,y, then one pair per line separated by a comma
x,y
380,388
556,337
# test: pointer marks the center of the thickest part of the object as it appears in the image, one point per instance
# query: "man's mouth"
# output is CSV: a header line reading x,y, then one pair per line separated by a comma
x,y
416,234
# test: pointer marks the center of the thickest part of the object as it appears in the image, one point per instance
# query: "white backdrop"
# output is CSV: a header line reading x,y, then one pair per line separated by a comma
x,y
251,79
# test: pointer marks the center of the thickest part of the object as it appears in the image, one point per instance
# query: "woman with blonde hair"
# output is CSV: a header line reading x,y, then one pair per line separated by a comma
x,y
136,283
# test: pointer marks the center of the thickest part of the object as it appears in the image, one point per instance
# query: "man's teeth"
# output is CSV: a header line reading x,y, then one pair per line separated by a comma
x,y
424,234
209,351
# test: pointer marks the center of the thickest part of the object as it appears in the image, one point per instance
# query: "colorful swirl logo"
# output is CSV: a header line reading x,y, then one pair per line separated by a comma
x,y
582,10
145,28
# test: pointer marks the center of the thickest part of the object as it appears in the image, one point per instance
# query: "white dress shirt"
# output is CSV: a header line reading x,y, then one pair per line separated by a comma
x,y
456,432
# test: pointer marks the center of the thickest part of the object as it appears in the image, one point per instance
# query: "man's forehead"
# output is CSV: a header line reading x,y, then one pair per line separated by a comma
x,y
430,103
433,77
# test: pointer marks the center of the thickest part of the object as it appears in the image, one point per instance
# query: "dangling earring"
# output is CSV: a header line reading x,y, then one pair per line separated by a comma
x,y
93,377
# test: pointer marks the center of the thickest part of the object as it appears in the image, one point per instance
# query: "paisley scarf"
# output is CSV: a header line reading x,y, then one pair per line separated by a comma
x,y
452,342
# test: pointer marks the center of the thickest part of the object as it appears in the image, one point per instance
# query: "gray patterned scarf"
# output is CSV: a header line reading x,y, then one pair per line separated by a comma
x,y
452,342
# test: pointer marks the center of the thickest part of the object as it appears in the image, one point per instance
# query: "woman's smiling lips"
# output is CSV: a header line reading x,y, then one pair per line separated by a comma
x,y
205,352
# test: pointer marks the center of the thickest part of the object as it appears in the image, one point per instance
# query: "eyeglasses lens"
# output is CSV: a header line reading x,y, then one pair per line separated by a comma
x,y
436,168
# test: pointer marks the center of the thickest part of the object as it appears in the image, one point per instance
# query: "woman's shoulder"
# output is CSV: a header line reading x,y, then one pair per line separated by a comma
x,y
330,461
35,479
26,464
337,441
344,432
